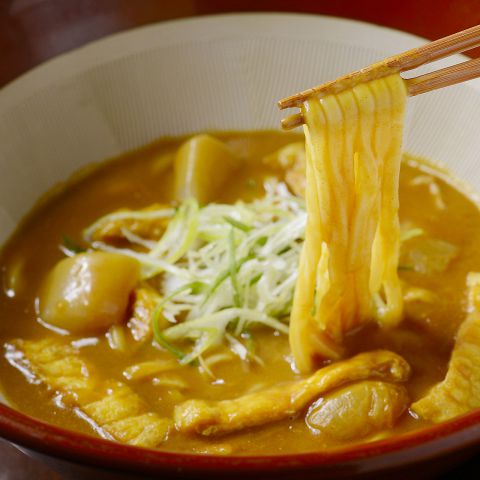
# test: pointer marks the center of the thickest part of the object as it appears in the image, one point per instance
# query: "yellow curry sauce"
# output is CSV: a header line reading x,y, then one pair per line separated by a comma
x,y
136,180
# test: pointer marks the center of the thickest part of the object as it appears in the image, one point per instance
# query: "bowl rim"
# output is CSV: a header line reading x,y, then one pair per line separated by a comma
x,y
408,448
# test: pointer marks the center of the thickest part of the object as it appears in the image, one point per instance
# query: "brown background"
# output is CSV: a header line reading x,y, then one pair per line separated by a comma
x,y
31,31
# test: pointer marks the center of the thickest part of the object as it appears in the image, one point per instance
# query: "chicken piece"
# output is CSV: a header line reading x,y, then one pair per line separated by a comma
x,y
202,166
111,228
459,392
291,159
358,410
88,292
113,407
276,403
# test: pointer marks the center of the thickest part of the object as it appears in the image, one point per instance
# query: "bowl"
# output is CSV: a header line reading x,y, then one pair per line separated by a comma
x,y
213,73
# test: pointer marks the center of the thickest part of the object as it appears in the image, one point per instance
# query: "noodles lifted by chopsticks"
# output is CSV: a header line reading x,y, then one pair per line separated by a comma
x,y
348,267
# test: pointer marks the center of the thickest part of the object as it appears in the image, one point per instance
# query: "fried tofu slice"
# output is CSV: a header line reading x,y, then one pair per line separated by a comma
x,y
214,418
459,392
145,300
141,430
143,223
123,414
117,412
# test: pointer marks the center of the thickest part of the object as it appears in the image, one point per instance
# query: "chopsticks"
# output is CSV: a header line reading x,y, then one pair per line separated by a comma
x,y
409,60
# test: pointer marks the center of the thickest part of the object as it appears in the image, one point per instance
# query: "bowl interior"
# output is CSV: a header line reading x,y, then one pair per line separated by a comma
x,y
214,73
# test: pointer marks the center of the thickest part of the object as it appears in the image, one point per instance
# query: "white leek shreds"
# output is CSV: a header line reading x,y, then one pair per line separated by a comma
x,y
180,233
242,260
209,330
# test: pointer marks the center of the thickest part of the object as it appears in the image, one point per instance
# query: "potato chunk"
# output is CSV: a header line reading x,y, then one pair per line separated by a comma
x,y
202,165
357,410
88,291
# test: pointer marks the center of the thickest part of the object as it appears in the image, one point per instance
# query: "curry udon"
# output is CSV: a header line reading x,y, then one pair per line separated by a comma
x,y
238,293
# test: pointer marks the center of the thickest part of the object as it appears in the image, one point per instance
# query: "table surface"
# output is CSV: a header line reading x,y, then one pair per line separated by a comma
x,y
32,31
15,465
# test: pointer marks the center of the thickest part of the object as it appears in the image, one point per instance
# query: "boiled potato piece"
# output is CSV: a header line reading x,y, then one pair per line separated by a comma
x,y
88,292
357,410
202,165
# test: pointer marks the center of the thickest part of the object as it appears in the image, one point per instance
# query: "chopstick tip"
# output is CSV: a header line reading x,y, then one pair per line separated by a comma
x,y
292,121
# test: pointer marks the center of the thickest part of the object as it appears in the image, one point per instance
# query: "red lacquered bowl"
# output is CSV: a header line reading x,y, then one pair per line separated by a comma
x,y
423,453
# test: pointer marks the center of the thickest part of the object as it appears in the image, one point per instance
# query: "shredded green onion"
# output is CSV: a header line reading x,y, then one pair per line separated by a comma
x,y
221,269
412,233
233,269
71,247
237,224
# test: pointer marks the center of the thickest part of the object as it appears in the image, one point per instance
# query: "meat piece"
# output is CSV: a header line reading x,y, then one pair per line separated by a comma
x,y
140,323
143,223
459,392
291,159
113,407
276,403
358,410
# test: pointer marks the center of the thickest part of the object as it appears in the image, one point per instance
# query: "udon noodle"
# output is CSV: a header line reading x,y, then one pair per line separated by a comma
x,y
348,267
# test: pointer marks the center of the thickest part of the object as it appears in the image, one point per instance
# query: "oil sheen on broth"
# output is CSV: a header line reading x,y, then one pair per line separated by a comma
x,y
440,229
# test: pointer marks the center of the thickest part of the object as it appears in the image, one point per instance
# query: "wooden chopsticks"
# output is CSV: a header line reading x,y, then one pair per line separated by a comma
x,y
456,43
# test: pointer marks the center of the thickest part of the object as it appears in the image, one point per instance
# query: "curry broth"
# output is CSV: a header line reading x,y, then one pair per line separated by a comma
x,y
143,177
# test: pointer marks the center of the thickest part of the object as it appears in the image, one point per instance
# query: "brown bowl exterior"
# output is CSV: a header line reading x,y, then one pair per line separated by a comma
x,y
425,453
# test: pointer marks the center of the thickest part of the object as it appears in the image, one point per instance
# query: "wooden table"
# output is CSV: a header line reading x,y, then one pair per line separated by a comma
x,y
14,465
32,31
